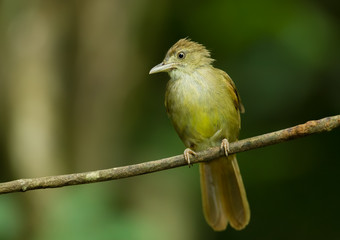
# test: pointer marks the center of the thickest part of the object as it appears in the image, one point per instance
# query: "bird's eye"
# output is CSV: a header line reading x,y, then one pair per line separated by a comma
x,y
181,55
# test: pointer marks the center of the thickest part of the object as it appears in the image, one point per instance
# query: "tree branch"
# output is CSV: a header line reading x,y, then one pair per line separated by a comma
x,y
311,127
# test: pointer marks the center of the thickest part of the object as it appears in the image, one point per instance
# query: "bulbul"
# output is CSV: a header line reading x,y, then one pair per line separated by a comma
x,y
204,107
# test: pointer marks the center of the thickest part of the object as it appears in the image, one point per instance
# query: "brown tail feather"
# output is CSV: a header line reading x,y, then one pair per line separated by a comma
x,y
223,195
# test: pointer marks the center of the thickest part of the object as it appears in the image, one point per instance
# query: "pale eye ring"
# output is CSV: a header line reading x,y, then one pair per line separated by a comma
x,y
181,55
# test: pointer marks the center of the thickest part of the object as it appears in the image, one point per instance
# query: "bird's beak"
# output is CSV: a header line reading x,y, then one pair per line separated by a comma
x,y
162,67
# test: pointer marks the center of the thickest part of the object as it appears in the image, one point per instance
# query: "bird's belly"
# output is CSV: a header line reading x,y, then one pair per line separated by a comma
x,y
197,126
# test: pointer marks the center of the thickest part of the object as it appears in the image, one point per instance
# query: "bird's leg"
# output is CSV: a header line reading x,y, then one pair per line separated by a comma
x,y
225,146
187,153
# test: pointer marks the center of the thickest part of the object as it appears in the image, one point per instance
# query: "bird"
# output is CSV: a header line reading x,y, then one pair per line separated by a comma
x,y
204,107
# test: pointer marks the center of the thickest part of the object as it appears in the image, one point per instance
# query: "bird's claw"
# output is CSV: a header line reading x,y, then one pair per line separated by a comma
x,y
225,146
187,153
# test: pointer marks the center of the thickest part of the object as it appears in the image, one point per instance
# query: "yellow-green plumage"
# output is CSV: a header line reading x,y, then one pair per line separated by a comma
x,y
194,106
204,107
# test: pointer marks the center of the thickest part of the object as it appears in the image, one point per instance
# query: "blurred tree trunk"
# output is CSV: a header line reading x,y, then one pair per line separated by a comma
x,y
105,47
34,92
100,65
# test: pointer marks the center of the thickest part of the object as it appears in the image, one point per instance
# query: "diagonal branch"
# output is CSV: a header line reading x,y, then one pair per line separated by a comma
x,y
311,127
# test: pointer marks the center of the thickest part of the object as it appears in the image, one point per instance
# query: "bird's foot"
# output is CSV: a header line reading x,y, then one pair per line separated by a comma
x,y
225,146
187,153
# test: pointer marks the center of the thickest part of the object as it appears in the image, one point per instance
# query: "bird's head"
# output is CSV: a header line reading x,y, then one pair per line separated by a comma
x,y
184,56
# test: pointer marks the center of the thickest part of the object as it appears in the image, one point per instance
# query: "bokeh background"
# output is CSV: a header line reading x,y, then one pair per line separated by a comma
x,y
75,95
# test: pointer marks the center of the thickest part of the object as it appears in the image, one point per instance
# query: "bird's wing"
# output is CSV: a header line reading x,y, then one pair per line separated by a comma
x,y
235,95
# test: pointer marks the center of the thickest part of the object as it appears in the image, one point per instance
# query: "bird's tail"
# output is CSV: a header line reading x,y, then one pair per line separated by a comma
x,y
223,195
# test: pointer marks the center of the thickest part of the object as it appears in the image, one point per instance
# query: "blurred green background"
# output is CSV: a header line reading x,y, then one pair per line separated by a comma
x,y
75,95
